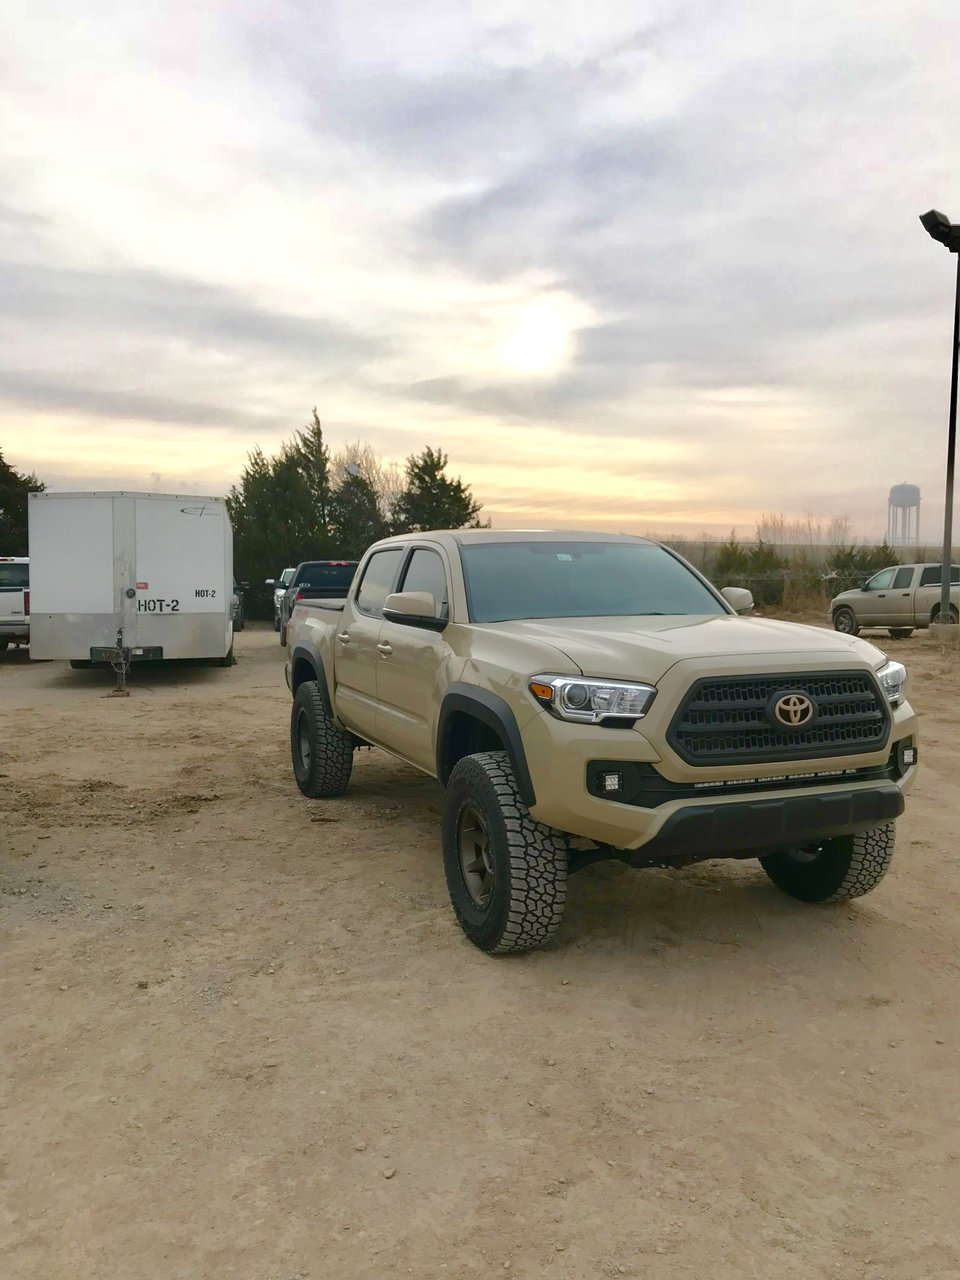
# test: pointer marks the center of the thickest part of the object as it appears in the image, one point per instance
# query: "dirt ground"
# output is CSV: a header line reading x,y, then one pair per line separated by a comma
x,y
242,1035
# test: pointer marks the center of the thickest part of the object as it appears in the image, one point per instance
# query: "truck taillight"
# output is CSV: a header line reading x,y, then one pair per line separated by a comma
x,y
26,603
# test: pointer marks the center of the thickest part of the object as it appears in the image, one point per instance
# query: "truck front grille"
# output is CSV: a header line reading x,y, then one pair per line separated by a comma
x,y
731,719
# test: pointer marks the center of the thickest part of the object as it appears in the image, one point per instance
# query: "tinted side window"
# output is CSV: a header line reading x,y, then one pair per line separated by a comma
x,y
425,572
880,581
903,579
378,579
932,576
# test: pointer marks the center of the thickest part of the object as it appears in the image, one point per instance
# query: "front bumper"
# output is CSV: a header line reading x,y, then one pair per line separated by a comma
x,y
560,756
750,830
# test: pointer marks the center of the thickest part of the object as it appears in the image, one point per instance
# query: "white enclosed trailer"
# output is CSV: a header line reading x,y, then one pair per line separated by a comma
x,y
130,576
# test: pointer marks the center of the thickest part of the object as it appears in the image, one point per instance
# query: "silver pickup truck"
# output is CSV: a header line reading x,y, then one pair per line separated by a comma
x,y
902,598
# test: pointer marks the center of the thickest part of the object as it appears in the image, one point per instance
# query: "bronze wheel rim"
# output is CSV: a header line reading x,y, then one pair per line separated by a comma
x,y
476,857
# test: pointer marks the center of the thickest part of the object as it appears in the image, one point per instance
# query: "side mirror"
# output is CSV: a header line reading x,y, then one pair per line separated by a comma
x,y
413,609
739,599
269,582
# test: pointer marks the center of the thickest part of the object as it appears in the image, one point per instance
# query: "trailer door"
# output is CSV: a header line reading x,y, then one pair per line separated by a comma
x,y
181,571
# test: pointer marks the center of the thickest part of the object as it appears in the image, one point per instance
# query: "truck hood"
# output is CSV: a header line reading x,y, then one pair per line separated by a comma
x,y
646,648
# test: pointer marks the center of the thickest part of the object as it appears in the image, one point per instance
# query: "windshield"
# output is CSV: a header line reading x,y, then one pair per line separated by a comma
x,y
14,576
507,581
326,574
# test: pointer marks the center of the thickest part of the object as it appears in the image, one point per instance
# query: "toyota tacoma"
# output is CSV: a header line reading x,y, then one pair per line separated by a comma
x,y
585,696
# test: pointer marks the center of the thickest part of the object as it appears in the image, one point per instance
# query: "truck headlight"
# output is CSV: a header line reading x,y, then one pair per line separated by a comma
x,y
592,701
893,678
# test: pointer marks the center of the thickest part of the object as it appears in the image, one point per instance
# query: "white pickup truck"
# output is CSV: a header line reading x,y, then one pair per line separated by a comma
x,y
902,598
589,696
14,601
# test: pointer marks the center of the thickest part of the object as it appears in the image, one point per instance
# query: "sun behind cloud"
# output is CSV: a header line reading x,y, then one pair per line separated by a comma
x,y
538,336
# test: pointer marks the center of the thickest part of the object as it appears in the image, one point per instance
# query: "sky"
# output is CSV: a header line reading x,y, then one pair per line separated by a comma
x,y
637,266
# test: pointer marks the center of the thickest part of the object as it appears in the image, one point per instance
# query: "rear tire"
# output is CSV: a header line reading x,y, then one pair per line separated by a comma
x,y
834,870
283,635
228,660
937,618
506,873
4,646
322,753
900,633
276,624
845,621
81,664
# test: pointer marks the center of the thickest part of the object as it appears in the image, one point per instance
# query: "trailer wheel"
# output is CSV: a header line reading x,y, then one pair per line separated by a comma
x,y
322,753
834,870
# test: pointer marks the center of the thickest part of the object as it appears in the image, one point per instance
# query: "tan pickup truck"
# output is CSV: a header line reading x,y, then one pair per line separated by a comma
x,y
590,696
902,598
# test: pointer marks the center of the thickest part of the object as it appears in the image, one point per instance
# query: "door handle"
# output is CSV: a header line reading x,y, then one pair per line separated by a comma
x,y
881,595
344,637
385,649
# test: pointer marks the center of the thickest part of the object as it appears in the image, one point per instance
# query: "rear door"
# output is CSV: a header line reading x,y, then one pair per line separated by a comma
x,y
409,667
355,643
183,568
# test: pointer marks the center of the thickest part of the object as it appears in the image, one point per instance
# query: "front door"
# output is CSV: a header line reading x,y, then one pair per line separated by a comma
x,y
874,600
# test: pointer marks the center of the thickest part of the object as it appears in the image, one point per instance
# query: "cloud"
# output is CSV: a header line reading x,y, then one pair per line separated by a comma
x,y
211,224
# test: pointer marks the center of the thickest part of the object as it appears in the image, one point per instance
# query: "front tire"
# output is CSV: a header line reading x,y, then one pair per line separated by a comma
x,y
283,635
322,753
276,624
506,873
834,870
845,621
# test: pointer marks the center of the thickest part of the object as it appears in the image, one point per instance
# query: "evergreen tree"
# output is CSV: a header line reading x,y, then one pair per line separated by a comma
x,y
14,487
431,500
355,519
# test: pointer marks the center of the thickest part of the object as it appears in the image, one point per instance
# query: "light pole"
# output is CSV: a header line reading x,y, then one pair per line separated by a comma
x,y
947,233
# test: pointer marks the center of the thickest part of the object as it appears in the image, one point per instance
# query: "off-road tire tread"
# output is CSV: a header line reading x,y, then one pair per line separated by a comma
x,y
331,758
869,862
537,856
868,857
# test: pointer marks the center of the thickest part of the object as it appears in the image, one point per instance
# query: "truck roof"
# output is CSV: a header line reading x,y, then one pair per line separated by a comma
x,y
471,537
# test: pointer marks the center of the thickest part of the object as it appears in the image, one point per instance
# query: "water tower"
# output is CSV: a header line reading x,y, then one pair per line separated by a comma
x,y
903,516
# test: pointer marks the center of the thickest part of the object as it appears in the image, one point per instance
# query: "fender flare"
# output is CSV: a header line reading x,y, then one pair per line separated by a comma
x,y
492,711
310,653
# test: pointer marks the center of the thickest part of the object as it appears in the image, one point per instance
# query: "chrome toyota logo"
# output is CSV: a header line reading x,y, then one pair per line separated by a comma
x,y
793,710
